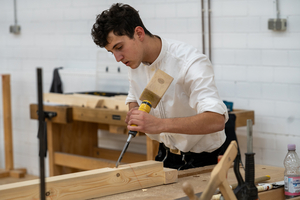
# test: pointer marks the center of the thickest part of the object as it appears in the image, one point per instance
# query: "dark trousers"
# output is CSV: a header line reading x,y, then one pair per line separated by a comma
x,y
198,159
186,160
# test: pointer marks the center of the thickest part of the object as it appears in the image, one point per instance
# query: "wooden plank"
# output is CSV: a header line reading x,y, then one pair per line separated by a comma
x,y
118,129
152,149
100,115
4,173
277,194
114,104
156,87
110,154
171,175
82,100
17,173
90,184
81,162
7,122
74,138
242,116
53,141
64,113
195,171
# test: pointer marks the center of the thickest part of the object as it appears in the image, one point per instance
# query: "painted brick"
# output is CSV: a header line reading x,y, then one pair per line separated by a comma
x,y
146,11
176,25
156,25
292,23
223,24
294,58
260,74
242,24
235,8
293,127
188,9
262,107
217,41
73,40
245,54
270,125
275,91
166,11
234,73
294,93
194,25
287,75
260,40
259,8
223,56
289,7
248,57
239,103
226,88
287,41
72,13
248,90
235,40
273,157
275,57
190,38
287,109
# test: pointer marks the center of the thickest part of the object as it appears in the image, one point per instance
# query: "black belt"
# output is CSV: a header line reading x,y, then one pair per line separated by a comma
x,y
183,154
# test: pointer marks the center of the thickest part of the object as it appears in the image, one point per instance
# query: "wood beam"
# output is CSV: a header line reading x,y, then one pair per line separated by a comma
x,y
156,88
90,184
81,162
99,115
242,116
8,139
64,113
110,154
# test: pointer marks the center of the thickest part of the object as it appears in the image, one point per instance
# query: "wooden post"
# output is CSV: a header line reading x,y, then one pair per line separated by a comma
x,y
94,183
8,140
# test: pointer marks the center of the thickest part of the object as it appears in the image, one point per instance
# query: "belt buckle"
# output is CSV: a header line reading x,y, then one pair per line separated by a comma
x,y
175,151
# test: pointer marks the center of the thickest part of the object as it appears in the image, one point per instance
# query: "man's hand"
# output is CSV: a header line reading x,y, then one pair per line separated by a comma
x,y
144,122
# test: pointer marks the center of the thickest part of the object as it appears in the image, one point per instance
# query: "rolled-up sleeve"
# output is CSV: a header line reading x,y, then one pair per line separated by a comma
x,y
200,85
130,97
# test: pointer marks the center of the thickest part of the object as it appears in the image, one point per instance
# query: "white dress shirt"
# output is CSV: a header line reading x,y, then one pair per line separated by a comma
x,y
192,91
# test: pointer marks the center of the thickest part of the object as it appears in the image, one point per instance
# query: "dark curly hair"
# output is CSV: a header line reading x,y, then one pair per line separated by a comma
x,y
122,19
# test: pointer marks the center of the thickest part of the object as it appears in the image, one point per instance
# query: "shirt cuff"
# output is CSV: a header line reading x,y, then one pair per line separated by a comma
x,y
213,105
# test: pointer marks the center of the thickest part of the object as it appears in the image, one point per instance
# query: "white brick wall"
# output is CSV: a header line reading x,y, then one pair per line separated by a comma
x,y
256,68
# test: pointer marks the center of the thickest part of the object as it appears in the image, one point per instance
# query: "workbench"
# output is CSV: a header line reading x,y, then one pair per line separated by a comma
x,y
199,182
72,136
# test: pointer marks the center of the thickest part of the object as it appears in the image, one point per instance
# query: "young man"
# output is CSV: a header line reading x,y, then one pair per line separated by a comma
x,y
191,117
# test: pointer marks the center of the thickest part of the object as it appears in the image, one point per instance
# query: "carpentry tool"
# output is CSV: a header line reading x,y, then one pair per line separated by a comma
x,y
150,97
246,190
146,107
218,177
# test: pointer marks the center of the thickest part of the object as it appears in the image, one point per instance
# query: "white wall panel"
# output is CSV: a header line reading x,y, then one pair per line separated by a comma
x,y
256,68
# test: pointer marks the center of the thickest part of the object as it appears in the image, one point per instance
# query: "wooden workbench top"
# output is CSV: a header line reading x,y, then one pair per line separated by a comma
x,y
174,191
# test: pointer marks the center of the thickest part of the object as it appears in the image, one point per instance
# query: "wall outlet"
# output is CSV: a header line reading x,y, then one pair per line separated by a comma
x,y
16,29
277,24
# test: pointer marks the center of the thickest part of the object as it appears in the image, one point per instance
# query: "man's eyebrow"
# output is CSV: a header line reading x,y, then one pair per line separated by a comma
x,y
114,46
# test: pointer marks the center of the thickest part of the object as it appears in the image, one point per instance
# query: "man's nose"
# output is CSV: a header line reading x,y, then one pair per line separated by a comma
x,y
118,56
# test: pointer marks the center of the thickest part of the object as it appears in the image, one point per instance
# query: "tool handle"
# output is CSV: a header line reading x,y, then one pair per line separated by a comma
x,y
249,176
146,107
189,191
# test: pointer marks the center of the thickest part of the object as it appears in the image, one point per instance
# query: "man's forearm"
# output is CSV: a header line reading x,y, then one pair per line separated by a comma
x,y
204,123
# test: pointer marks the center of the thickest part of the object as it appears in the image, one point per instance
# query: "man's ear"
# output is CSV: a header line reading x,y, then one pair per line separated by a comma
x,y
140,33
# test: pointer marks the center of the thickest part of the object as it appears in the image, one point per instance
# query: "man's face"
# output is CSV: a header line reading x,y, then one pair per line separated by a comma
x,y
126,50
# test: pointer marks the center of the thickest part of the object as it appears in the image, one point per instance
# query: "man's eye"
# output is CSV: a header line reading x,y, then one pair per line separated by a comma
x,y
120,47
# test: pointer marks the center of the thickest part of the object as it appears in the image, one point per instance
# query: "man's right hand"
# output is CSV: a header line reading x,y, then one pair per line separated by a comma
x,y
132,106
